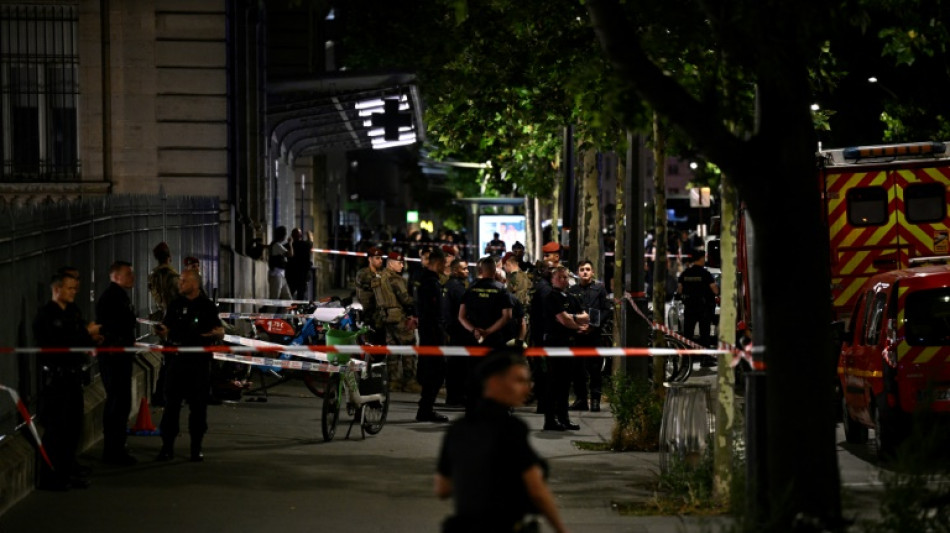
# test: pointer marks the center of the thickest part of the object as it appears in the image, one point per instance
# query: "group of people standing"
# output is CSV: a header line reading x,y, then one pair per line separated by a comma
x,y
186,316
508,303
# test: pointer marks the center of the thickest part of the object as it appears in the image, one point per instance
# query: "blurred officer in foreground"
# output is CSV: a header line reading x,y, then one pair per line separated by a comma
x,y
192,320
486,463
564,321
116,315
593,299
367,280
59,323
431,369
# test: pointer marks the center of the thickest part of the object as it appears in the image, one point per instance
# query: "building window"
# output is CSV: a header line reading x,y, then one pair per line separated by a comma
x,y
39,93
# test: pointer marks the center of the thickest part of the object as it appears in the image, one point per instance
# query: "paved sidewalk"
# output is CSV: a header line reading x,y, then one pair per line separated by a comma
x,y
268,469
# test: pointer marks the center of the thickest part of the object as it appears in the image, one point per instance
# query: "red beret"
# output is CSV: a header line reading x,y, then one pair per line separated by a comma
x,y
507,256
449,249
191,260
374,252
395,256
551,248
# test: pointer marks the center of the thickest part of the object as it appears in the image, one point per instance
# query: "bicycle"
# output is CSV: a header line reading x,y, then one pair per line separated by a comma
x,y
365,391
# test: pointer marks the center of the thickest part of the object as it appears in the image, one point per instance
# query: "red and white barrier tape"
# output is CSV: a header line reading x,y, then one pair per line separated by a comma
x,y
28,419
263,301
288,364
449,351
724,347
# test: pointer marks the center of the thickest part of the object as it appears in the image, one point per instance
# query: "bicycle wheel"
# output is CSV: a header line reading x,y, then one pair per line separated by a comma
x,y
374,413
331,408
679,367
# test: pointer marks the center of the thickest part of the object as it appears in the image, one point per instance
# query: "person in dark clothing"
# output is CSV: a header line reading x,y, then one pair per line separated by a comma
x,y
191,320
59,323
299,264
486,462
456,368
486,307
698,289
564,321
593,298
542,287
518,250
115,313
430,371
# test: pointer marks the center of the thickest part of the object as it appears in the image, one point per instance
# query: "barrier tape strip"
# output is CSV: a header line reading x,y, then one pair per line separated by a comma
x,y
363,254
724,347
288,364
263,301
294,349
302,350
28,419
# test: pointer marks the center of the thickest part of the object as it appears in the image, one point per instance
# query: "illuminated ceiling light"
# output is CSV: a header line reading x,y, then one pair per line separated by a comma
x,y
390,144
368,123
815,107
376,132
872,79
376,102
693,165
331,15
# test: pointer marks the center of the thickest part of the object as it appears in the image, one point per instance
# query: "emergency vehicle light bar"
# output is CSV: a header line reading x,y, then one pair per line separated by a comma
x,y
894,150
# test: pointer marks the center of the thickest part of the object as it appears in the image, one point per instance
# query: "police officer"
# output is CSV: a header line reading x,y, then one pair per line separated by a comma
x,y
367,279
59,323
536,323
698,289
565,320
456,368
486,461
593,298
192,320
115,313
397,311
486,307
431,369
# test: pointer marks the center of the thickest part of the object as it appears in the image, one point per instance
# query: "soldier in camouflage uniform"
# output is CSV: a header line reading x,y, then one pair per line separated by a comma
x,y
398,315
517,280
367,281
163,286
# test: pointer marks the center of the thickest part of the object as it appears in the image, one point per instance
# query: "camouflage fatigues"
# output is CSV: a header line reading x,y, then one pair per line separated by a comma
x,y
163,286
366,283
519,285
395,307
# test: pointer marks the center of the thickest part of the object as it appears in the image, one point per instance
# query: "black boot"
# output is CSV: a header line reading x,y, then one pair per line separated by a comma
x,y
196,455
167,452
566,423
595,406
551,424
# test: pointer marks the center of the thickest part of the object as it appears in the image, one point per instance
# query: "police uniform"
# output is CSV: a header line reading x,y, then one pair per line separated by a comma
x,y
395,305
699,302
485,455
189,374
536,325
556,334
591,296
484,304
431,369
60,396
116,316
367,280
456,368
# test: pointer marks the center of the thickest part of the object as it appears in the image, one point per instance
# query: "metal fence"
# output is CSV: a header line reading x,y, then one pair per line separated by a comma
x,y
90,234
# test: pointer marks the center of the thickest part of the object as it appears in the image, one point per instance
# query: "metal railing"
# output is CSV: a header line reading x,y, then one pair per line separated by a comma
x,y
89,235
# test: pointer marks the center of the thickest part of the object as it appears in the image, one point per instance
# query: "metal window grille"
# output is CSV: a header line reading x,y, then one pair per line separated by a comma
x,y
39,93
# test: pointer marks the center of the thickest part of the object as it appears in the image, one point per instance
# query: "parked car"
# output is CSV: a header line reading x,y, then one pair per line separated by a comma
x,y
895,358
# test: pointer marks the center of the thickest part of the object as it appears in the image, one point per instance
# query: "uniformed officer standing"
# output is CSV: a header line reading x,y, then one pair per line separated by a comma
x,y
552,254
486,461
163,286
431,369
59,323
367,279
536,323
564,321
398,315
115,313
699,290
486,307
456,368
518,250
192,320
593,298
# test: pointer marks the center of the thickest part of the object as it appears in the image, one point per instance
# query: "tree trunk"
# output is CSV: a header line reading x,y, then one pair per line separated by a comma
x,y
620,251
729,298
529,216
556,207
660,263
588,213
